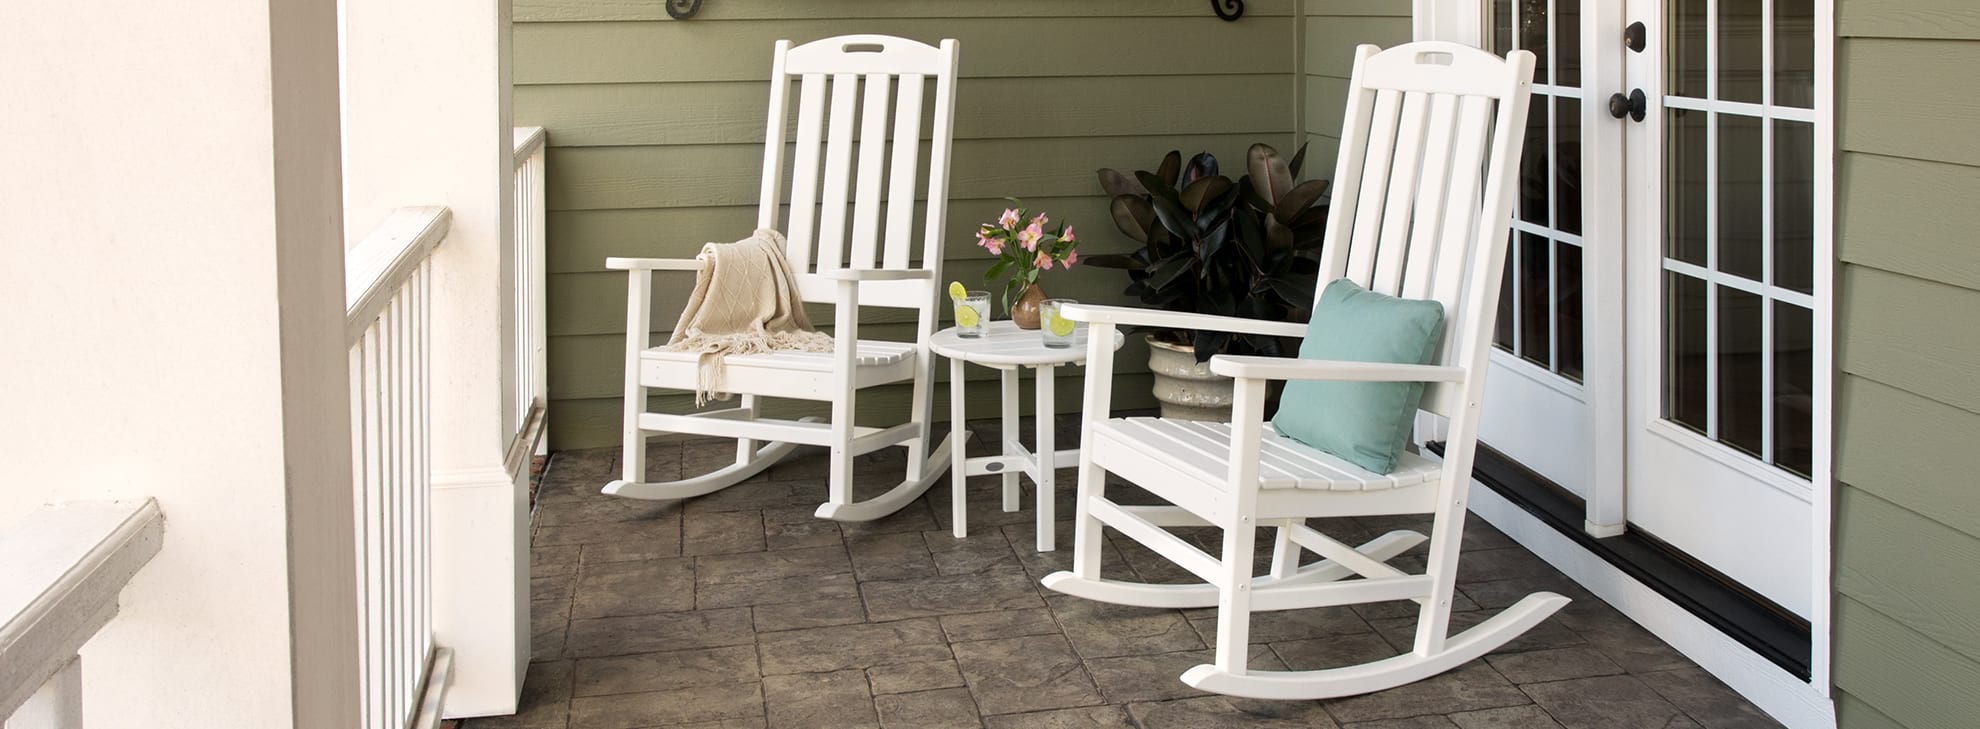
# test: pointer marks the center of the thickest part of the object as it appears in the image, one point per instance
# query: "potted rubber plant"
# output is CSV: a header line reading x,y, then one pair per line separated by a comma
x,y
1211,245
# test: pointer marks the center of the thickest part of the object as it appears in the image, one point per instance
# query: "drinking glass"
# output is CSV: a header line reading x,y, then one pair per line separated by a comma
x,y
973,314
1053,324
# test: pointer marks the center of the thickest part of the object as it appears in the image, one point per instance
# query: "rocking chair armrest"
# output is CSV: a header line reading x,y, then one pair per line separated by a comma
x,y
1132,316
653,264
1289,368
876,274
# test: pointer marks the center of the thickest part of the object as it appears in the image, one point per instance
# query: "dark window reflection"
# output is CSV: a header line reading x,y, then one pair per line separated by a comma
x,y
1794,53
1794,206
1567,43
1535,252
1502,327
1742,206
1567,166
1684,185
1794,388
1567,294
1742,358
1534,178
1687,48
1685,351
1740,44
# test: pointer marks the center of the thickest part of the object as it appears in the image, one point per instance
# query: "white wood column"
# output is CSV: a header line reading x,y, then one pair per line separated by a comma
x,y
427,122
174,329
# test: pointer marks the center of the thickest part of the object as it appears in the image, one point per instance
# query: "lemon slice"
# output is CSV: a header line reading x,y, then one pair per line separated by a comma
x,y
966,316
957,292
1062,326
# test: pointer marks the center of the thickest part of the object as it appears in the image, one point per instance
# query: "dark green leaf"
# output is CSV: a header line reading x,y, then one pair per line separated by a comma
x,y
1277,236
1175,218
1196,194
1268,172
1201,166
1170,171
1133,216
1118,184
1298,161
1296,200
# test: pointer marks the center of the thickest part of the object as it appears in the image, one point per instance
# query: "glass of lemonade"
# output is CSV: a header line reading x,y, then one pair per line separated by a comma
x,y
1053,324
973,314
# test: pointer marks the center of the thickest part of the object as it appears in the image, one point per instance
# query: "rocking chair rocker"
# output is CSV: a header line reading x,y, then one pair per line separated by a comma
x,y
1411,220
870,267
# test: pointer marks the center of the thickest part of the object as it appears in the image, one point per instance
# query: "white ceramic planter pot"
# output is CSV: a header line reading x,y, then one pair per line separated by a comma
x,y
1187,390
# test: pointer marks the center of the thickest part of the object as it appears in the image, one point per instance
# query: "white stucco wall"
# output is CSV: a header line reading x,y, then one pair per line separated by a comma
x,y
143,322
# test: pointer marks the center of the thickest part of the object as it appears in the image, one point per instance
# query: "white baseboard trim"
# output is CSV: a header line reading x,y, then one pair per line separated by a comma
x,y
1782,695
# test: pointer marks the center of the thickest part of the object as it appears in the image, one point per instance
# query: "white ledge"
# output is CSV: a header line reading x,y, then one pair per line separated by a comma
x,y
527,140
64,566
381,263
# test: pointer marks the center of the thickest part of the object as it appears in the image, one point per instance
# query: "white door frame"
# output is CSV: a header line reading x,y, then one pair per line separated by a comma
x,y
1464,21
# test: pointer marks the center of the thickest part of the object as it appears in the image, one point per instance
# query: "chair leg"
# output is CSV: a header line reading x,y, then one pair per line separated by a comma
x,y
1285,554
746,447
1087,529
1433,621
1234,598
839,473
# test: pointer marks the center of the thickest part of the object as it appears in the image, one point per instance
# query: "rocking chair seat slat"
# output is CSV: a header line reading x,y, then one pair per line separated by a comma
x,y
869,353
1202,451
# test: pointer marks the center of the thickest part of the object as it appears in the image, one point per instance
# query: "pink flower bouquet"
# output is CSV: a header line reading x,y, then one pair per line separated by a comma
x,y
1024,246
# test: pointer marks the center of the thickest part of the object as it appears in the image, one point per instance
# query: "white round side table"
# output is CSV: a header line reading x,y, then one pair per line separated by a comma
x,y
1005,347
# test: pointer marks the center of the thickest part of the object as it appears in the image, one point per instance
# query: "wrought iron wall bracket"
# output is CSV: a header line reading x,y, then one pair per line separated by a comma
x,y
1228,9
683,9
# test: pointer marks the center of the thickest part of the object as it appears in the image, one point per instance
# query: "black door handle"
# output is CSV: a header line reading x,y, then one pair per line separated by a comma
x,y
1636,37
1633,106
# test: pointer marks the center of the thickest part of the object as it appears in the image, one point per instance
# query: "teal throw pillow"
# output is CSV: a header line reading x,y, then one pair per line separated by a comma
x,y
1365,423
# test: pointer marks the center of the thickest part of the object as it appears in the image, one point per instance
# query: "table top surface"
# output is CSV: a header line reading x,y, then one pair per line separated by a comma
x,y
1003,343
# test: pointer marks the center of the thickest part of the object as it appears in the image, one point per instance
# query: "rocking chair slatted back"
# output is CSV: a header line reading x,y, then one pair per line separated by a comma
x,y
1423,130
862,156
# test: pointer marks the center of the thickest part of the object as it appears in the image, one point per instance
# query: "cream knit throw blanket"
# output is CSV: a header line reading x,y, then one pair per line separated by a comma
x,y
745,301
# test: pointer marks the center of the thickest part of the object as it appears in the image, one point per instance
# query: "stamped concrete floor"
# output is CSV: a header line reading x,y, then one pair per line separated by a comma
x,y
739,609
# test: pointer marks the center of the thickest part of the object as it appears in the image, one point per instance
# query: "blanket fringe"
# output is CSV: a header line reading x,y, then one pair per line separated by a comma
x,y
713,347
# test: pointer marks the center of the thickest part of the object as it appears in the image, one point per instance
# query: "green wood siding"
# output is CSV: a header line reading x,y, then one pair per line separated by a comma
x,y
1907,644
1330,32
656,130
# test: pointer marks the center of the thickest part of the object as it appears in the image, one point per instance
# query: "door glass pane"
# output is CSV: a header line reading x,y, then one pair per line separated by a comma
x,y
1535,256
1534,167
1687,49
1742,357
1567,165
1567,43
1740,72
1502,23
1685,351
1794,206
1533,36
1684,185
1502,327
1794,53
1741,206
1567,292
1794,388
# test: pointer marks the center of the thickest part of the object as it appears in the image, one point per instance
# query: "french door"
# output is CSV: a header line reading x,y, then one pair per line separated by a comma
x,y
1661,343
1723,291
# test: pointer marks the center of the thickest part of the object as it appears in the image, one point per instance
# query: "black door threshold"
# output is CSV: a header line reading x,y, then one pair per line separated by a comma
x,y
1754,621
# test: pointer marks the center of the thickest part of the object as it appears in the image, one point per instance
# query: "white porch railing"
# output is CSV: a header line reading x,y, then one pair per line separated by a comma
x,y
388,287
63,568
525,367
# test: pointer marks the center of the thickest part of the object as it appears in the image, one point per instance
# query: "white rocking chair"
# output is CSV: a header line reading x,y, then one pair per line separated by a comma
x,y
869,267
1410,219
